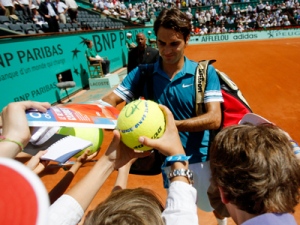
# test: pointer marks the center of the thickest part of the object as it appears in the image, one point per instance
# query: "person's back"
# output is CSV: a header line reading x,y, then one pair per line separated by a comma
x,y
257,174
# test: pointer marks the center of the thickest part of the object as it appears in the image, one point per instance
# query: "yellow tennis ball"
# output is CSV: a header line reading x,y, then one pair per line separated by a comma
x,y
140,118
95,135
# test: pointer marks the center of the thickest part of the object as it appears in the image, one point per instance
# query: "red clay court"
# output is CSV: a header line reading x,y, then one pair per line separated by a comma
x,y
267,73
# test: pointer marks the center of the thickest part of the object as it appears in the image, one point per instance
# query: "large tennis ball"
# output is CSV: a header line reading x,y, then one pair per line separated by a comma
x,y
95,135
140,118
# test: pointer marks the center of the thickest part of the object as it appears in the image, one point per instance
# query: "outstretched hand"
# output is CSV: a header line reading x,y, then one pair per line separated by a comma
x,y
169,144
36,164
120,154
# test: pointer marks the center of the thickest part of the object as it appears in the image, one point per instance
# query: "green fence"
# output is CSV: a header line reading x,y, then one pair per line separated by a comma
x,y
29,65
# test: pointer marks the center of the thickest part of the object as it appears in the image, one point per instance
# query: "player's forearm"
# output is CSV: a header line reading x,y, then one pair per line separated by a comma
x,y
211,120
112,99
199,123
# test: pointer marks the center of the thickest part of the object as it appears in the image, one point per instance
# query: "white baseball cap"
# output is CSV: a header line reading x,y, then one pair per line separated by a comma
x,y
33,6
128,34
254,119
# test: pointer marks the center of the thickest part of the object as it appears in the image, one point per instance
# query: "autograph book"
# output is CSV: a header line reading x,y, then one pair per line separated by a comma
x,y
65,148
97,114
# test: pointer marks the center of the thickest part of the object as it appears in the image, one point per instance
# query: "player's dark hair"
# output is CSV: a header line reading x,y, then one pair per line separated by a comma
x,y
173,19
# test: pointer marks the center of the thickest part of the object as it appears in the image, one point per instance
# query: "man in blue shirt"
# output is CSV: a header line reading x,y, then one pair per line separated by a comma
x,y
173,86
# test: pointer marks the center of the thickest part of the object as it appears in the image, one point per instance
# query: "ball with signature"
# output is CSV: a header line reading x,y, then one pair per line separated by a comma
x,y
140,118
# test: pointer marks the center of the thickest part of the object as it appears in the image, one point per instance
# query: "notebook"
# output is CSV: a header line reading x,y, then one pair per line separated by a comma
x,y
33,149
62,150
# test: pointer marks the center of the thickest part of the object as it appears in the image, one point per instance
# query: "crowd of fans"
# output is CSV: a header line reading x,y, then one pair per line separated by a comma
x,y
231,19
49,12
210,16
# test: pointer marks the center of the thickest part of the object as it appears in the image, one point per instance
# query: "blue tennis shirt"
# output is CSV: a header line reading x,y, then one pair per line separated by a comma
x,y
178,95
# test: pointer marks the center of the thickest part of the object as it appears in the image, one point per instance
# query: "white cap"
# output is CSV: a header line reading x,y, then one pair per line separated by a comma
x,y
253,119
128,34
149,32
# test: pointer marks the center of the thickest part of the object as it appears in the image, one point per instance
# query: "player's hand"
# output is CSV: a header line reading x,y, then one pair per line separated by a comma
x,y
169,144
14,121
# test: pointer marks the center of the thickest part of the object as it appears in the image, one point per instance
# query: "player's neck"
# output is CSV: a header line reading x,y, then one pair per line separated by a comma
x,y
171,69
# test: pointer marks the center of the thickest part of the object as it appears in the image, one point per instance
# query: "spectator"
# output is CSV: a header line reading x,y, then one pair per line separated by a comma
x,y
101,5
122,5
8,6
94,58
36,3
249,8
197,14
228,10
142,54
213,11
174,72
129,42
2,9
25,6
189,13
132,12
267,7
106,11
230,20
50,14
240,28
150,39
218,30
260,7
286,22
223,29
62,10
197,30
265,187
202,20
36,17
208,17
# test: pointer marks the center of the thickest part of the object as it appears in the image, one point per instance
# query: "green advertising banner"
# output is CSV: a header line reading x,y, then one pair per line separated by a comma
x,y
245,36
29,67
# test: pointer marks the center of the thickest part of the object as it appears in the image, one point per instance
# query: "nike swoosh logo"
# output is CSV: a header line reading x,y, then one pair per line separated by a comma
x,y
186,85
